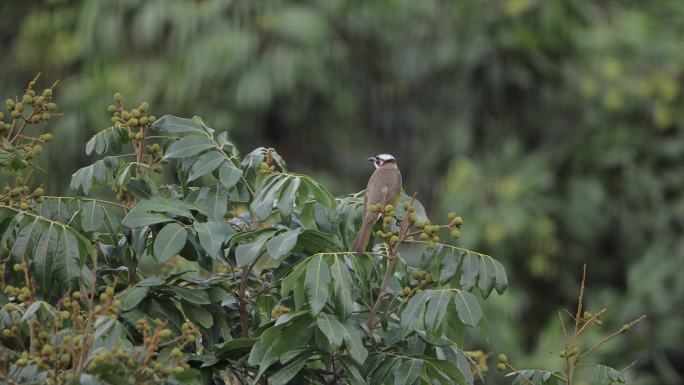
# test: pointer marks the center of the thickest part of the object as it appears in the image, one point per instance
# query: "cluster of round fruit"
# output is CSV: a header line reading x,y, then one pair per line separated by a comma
x,y
590,317
279,310
480,359
136,118
503,361
21,195
41,107
154,156
422,279
429,232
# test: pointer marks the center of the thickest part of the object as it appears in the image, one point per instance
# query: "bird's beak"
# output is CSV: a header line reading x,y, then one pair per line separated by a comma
x,y
371,159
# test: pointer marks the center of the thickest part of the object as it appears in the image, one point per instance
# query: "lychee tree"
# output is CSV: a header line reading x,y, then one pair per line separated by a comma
x,y
238,272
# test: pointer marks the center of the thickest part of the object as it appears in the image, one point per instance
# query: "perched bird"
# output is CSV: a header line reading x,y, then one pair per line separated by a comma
x,y
383,189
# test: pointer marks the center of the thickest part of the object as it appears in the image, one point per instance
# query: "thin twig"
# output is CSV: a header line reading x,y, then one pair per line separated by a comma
x,y
622,330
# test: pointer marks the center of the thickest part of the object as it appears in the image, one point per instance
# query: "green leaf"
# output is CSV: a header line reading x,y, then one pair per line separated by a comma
x,y
468,308
92,216
156,210
352,373
212,201
266,193
437,302
133,296
43,257
284,375
407,373
67,259
111,138
189,146
317,282
291,279
213,235
197,297
286,200
198,315
501,280
97,172
205,164
27,236
411,313
342,287
174,124
383,371
469,271
229,175
332,329
169,241
354,343
280,246
487,275
607,375
247,253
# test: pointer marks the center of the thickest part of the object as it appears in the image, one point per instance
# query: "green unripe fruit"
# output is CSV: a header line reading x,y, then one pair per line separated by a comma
x,y
15,114
9,103
47,349
132,122
451,215
24,206
28,99
38,192
598,322
36,118
419,224
432,244
272,168
394,239
389,208
625,328
143,120
65,358
151,119
135,113
45,116
429,278
412,217
416,274
16,267
37,149
46,137
435,239
502,358
263,166
19,107
7,333
126,115
406,291
379,233
51,106
424,236
375,208
176,353
117,97
64,315
131,135
458,221
501,366
47,93
104,297
144,106
165,333
111,108
76,294
156,148
455,233
2,115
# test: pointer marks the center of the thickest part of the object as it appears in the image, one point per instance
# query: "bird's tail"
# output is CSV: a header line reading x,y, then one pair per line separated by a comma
x,y
362,238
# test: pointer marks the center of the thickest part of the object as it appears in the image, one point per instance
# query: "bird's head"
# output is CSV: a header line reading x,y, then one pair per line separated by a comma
x,y
382,159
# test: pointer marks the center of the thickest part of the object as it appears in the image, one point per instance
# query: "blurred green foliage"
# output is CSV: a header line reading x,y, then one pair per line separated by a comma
x,y
555,126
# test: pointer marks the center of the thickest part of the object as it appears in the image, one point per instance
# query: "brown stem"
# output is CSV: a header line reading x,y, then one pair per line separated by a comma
x,y
610,337
381,293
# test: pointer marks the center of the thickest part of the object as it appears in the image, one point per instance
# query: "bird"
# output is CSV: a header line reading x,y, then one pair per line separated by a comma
x,y
383,189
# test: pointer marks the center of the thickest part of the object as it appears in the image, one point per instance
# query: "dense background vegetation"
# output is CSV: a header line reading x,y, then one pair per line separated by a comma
x,y
554,127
